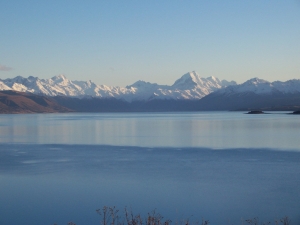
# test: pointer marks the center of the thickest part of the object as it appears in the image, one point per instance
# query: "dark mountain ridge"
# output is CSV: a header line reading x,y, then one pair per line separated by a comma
x,y
21,102
251,101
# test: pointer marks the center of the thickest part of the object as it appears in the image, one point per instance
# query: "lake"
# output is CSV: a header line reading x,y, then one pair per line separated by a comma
x,y
221,166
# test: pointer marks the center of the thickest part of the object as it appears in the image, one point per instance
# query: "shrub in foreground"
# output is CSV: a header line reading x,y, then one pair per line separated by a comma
x,y
110,216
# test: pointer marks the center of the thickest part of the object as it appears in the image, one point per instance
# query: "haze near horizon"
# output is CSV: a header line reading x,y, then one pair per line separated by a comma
x,y
117,43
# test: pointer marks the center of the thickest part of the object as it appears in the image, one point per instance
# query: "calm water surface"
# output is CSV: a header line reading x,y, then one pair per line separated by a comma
x,y
209,129
221,166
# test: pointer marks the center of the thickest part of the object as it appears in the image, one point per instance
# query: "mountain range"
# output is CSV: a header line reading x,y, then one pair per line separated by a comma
x,y
189,93
189,86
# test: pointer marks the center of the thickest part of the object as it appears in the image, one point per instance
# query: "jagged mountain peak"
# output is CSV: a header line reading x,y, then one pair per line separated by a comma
x,y
212,78
188,81
260,86
59,77
20,80
32,78
141,83
226,83
192,75
193,80
256,81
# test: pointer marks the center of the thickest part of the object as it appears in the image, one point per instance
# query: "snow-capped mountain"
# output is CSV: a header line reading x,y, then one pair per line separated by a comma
x,y
189,86
262,87
212,93
255,94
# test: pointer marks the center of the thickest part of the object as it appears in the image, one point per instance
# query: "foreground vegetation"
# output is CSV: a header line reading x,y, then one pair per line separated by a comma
x,y
110,216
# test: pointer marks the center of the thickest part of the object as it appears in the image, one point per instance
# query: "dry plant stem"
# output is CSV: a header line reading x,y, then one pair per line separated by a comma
x,y
284,221
110,216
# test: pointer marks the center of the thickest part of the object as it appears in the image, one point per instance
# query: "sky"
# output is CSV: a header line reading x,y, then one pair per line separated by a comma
x,y
119,42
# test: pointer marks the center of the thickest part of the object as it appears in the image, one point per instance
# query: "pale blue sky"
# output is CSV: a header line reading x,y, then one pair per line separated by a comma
x,y
120,42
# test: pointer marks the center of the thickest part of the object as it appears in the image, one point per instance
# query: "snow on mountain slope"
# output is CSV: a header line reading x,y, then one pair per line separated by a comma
x,y
290,86
3,86
189,86
261,87
193,85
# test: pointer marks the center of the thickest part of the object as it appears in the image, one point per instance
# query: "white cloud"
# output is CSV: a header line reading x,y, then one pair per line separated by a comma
x,y
5,68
